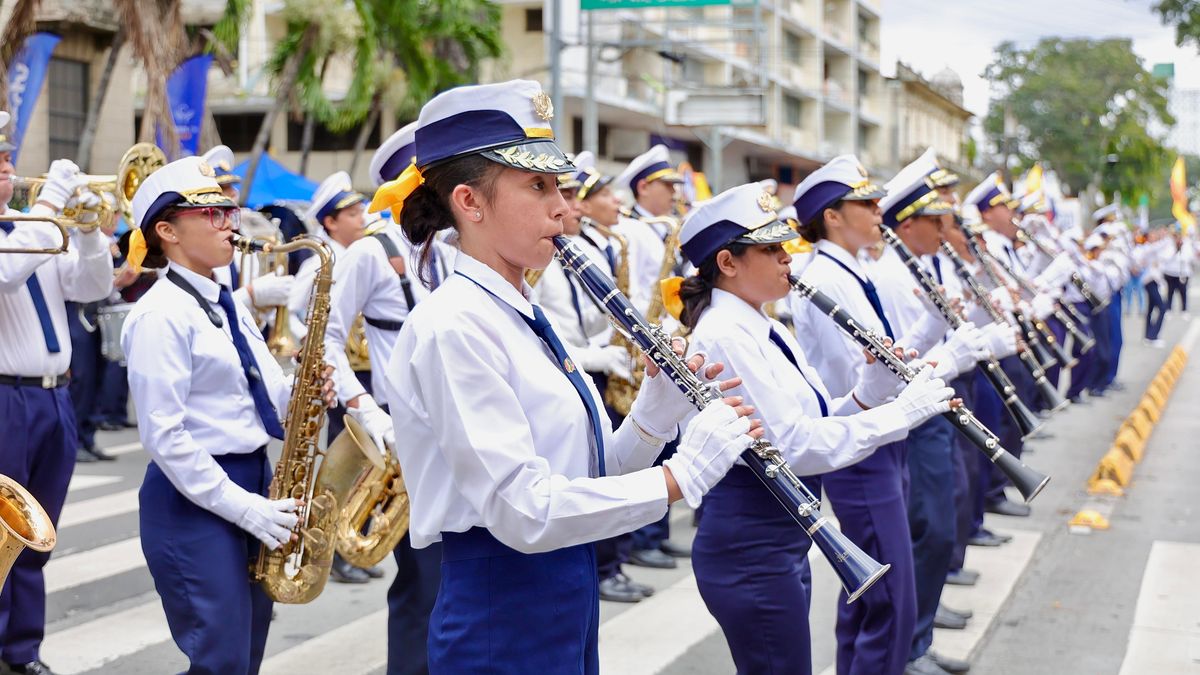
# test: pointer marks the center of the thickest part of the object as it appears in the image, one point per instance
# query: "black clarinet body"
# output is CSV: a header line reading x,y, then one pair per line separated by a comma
x,y
1028,482
1061,355
1026,420
856,570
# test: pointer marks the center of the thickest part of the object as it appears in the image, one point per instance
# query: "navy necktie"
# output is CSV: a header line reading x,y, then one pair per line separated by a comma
x,y
258,389
234,276
937,268
778,340
39,302
541,326
435,270
869,290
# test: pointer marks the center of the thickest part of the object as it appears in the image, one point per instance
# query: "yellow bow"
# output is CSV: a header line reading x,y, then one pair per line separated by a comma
x,y
137,250
391,195
669,288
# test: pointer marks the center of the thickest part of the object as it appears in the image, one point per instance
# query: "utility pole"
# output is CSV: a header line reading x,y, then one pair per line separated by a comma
x,y
556,94
591,117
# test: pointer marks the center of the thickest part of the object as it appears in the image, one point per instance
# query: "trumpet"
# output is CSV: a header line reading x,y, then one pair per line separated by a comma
x,y
60,223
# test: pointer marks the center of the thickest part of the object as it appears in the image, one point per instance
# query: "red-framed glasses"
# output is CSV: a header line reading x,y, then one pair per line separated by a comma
x,y
218,216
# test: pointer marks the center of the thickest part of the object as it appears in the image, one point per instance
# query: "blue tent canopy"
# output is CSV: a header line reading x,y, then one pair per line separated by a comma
x,y
273,182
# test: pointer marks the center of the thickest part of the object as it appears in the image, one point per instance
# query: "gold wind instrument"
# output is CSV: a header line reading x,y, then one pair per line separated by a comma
x,y
23,523
138,162
282,342
621,392
357,352
61,224
297,571
374,516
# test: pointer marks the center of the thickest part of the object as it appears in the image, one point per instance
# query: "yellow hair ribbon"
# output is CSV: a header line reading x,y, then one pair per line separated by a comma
x,y
669,288
391,195
137,250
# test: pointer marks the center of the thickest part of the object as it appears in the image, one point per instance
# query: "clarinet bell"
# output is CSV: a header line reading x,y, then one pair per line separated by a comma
x,y
1027,421
1053,400
855,569
1029,482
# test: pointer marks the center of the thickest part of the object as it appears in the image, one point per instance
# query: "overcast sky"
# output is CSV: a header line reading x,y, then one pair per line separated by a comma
x,y
933,34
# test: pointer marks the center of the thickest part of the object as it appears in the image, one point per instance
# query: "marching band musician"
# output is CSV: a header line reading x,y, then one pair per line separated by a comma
x,y
220,158
376,278
751,568
1150,258
587,333
341,213
1116,261
35,355
512,466
209,397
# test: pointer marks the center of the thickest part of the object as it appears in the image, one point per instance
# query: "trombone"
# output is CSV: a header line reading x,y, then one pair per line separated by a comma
x,y
62,224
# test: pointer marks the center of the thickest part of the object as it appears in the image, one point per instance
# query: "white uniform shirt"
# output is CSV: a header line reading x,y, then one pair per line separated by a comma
x,y
83,274
494,434
365,282
835,356
1181,259
732,332
646,253
187,383
302,287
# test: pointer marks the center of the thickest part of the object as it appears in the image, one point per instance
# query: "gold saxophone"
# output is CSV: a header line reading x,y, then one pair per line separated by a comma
x,y
296,572
23,523
356,346
620,392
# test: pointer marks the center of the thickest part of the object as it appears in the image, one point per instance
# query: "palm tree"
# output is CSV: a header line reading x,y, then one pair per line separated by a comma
x,y
21,24
155,29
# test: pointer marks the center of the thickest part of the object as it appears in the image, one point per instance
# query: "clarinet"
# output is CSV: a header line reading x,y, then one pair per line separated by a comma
x,y
1025,418
1028,481
1053,399
856,570
1060,354
1032,337
1089,296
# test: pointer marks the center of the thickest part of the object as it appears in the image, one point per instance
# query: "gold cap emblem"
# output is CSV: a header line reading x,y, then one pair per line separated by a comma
x,y
543,107
766,201
206,170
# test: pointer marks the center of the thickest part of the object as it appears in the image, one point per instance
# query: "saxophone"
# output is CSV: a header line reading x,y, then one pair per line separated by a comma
x,y
374,516
296,572
620,392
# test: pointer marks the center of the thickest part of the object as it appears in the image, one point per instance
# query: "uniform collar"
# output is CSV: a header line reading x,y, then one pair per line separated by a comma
x,y
491,281
741,313
209,289
842,255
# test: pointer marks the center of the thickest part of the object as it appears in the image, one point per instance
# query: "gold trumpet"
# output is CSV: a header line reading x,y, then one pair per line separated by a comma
x,y
62,224
23,523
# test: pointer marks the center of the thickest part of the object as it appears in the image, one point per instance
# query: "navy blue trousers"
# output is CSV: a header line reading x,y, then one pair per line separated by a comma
x,y
201,565
931,520
613,552
113,405
649,537
1116,340
751,564
1081,374
990,411
1006,427
1060,333
1156,311
966,468
38,451
411,598
501,611
1102,331
87,373
874,633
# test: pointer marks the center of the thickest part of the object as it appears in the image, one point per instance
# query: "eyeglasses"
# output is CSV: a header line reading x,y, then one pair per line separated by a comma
x,y
218,216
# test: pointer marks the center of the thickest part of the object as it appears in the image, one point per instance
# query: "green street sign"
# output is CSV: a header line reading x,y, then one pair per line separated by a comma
x,y
637,4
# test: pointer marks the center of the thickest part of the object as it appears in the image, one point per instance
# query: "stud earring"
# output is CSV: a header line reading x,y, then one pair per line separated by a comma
x,y
478,215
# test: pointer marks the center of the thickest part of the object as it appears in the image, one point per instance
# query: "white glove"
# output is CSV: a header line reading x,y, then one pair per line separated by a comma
x,y
1002,340
923,398
1042,306
271,290
270,521
62,180
1002,297
377,423
660,406
878,386
86,201
968,346
608,359
710,445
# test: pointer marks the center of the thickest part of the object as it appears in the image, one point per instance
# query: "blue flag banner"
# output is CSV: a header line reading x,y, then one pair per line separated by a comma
x,y
25,78
186,91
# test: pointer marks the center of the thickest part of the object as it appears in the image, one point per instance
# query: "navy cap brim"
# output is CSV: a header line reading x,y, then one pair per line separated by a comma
x,y
541,155
774,232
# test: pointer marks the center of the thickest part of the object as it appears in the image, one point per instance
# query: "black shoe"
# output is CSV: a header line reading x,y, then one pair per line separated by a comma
x,y
614,589
675,550
645,589
948,621
652,558
374,571
984,538
38,667
110,426
948,664
345,573
962,577
100,454
1116,386
964,613
82,456
1007,508
1004,538
923,666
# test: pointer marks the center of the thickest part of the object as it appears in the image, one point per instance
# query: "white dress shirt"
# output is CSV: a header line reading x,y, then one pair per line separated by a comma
x,y
914,320
732,332
646,253
494,434
836,357
577,319
1181,259
83,274
192,397
302,287
365,282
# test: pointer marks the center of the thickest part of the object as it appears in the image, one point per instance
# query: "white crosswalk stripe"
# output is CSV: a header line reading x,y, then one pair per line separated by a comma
x,y
99,508
91,645
88,481
69,571
1165,637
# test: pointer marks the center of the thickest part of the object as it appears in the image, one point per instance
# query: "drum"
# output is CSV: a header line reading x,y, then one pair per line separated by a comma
x,y
110,319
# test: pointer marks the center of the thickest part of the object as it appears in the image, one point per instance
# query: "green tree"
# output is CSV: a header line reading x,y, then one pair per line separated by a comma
x,y
1184,15
1086,107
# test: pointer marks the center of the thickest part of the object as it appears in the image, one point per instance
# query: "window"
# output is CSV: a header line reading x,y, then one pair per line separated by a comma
x,y
325,140
533,20
238,130
68,85
792,111
792,47
577,133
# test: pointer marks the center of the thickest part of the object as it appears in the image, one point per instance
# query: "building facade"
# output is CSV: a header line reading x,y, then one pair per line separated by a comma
x,y
927,113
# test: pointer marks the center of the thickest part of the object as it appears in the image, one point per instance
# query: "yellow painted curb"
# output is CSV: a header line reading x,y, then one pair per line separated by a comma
x,y
1139,423
1153,394
1089,518
1130,443
1150,409
1115,466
